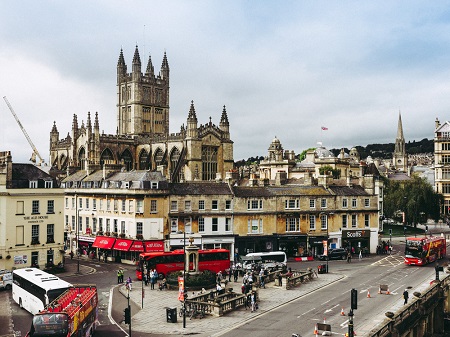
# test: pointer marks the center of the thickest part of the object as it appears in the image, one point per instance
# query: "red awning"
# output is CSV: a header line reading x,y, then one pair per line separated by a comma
x,y
137,246
103,242
123,245
154,246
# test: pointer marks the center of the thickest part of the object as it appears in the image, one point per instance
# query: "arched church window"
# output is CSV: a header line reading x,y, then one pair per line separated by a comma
x,y
143,160
107,157
209,162
82,159
127,159
159,155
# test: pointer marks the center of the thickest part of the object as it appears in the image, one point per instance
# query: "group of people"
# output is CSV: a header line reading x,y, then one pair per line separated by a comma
x,y
384,248
151,277
128,281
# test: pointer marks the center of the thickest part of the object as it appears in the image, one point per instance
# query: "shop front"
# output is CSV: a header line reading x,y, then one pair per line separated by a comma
x,y
292,245
255,244
104,245
129,250
85,244
356,240
316,244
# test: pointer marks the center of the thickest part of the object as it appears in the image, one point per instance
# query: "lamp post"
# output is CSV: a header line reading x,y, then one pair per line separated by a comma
x,y
184,279
77,221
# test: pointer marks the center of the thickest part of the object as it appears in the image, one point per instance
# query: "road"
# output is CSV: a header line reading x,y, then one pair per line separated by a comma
x,y
104,278
301,315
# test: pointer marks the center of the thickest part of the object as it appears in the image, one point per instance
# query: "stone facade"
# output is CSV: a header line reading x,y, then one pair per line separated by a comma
x,y
31,211
442,163
142,141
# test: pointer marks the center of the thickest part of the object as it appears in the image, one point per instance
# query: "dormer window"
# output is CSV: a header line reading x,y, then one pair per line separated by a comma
x,y
117,184
105,184
49,184
154,185
96,184
126,184
33,184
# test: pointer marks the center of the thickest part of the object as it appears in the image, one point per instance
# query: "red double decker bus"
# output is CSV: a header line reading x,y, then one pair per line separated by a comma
x,y
420,251
214,260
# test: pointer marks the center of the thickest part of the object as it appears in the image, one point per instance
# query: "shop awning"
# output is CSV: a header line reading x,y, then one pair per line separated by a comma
x,y
122,245
103,242
154,246
137,246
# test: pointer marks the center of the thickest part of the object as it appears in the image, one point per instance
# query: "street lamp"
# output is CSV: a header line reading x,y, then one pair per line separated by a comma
x,y
184,279
77,221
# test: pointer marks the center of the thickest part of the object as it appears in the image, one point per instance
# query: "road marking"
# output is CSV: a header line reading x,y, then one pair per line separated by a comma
x,y
328,310
306,312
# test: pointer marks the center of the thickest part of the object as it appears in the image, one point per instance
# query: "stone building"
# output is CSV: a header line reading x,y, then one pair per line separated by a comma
x,y
142,141
31,211
442,163
120,214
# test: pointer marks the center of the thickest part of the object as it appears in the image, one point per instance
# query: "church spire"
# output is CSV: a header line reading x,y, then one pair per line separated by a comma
x,y
121,67
224,125
165,68
400,158
150,70
400,127
136,71
191,127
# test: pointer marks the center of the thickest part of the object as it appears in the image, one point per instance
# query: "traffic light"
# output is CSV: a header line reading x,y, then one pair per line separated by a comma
x,y
354,299
127,312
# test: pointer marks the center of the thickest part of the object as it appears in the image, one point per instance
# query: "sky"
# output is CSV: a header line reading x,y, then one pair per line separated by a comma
x,y
283,69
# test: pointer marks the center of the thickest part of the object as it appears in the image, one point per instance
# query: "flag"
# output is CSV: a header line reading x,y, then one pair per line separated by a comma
x,y
324,128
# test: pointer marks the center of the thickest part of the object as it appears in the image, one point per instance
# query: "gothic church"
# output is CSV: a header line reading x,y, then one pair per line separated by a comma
x,y
142,140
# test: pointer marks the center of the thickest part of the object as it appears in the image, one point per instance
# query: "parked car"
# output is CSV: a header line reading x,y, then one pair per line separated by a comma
x,y
334,254
6,279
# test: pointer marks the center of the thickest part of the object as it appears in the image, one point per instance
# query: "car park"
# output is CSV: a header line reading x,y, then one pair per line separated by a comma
x,y
334,254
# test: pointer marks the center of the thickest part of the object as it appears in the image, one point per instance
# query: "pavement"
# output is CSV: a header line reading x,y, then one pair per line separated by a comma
x,y
156,302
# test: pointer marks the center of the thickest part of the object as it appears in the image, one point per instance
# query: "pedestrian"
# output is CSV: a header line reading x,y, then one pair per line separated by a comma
x,y
99,256
230,272
105,254
405,296
118,276
145,279
253,301
219,277
360,254
261,279
280,279
152,279
349,257
128,283
71,255
236,274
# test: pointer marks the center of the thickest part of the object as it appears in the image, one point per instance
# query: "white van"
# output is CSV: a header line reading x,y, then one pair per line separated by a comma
x,y
6,279
269,260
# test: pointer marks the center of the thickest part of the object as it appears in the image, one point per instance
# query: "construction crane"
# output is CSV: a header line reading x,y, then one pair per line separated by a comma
x,y
35,151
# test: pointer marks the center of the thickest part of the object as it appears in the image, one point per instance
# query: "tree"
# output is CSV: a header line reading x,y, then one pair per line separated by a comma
x,y
415,197
326,169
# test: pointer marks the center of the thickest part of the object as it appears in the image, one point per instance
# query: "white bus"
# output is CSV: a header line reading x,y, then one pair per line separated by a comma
x,y
269,260
33,288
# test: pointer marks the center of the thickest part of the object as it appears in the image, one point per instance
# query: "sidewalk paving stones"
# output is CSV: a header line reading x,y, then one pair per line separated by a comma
x,y
152,318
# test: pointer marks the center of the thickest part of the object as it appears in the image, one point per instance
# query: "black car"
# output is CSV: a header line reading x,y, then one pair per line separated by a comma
x,y
334,254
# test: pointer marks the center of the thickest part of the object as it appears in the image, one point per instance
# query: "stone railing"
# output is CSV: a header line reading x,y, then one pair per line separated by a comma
x,y
216,303
299,277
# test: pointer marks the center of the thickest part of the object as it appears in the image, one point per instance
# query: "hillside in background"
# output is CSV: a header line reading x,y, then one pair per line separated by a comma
x,y
383,151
